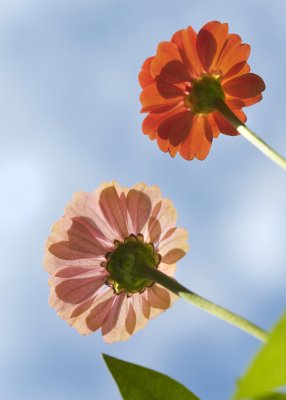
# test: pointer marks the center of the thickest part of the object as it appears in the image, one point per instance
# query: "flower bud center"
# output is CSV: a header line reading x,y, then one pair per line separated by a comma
x,y
204,92
127,260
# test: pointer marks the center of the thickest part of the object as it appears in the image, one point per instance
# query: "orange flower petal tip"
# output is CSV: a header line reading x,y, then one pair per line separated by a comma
x,y
182,81
94,249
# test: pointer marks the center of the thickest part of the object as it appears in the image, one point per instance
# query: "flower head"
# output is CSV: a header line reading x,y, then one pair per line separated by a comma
x,y
96,250
184,80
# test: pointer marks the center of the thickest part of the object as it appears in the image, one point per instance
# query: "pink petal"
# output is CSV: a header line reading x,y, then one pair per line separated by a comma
x,y
102,307
70,272
86,205
80,309
162,218
145,305
139,207
114,325
158,297
112,209
174,247
77,290
142,311
168,269
130,322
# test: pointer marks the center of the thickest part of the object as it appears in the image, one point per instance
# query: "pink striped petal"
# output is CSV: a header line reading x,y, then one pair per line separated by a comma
x,y
112,209
158,297
174,247
130,322
77,290
114,325
101,309
139,207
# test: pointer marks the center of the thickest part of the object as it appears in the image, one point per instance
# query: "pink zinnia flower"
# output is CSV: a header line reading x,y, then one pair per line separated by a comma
x,y
94,250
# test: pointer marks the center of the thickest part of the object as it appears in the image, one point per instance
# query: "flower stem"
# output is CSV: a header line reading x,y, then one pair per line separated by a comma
x,y
249,134
206,305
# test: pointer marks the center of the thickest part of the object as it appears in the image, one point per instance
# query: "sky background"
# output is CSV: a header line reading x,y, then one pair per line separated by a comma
x,y
69,120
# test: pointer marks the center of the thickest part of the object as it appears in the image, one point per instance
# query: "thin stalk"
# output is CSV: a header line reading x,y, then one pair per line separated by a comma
x,y
249,134
206,305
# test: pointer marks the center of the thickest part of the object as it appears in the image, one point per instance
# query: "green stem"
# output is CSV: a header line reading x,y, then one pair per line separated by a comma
x,y
200,302
249,134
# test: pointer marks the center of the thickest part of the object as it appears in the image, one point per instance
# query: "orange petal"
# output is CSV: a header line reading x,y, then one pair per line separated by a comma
x,y
224,126
233,57
213,125
234,74
151,123
186,39
199,141
245,86
173,73
210,42
166,52
176,127
168,65
239,103
163,144
154,97
145,77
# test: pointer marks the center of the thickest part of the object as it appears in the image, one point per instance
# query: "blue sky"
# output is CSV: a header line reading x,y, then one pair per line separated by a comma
x,y
69,119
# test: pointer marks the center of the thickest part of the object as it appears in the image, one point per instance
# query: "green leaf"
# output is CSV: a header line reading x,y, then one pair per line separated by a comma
x,y
267,372
273,396
136,382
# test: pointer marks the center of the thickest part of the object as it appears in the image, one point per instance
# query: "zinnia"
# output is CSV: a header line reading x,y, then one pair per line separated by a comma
x,y
95,249
185,80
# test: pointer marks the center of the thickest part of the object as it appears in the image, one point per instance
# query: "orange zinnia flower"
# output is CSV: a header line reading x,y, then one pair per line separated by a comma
x,y
96,250
185,80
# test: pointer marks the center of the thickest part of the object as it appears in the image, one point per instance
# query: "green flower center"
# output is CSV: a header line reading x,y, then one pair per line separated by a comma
x,y
127,260
205,91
